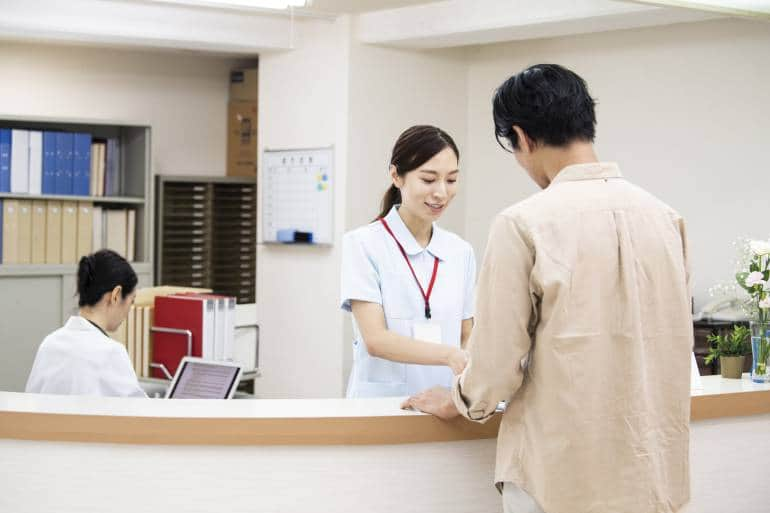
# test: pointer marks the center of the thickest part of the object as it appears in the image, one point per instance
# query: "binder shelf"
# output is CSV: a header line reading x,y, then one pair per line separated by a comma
x,y
68,172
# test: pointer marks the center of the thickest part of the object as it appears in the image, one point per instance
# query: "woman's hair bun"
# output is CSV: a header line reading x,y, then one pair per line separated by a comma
x,y
101,272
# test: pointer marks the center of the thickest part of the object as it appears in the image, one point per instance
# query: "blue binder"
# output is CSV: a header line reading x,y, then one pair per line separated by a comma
x,y
1,231
5,160
64,153
81,165
49,163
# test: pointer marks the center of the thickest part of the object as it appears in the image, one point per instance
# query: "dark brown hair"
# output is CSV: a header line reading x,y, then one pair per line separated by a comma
x,y
414,147
100,273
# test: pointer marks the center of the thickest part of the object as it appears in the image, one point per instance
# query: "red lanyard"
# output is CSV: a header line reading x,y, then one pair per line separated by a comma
x,y
425,296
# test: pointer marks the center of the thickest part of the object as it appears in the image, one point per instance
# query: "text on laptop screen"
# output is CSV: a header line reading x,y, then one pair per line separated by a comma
x,y
199,380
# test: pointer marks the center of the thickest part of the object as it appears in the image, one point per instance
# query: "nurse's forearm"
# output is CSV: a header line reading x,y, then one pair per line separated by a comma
x,y
389,345
398,348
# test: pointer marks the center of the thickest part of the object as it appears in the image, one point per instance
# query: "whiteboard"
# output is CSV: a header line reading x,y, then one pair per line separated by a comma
x,y
298,196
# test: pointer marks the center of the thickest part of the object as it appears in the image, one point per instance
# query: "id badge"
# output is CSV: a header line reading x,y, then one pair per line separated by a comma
x,y
427,331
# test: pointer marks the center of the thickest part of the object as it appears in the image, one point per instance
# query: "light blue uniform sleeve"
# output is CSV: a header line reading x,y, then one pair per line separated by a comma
x,y
469,305
359,277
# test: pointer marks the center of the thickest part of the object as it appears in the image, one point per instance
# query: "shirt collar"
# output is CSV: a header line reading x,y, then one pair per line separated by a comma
x,y
438,245
78,323
592,171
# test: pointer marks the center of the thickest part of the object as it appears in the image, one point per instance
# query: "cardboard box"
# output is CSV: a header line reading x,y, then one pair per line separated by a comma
x,y
242,138
243,85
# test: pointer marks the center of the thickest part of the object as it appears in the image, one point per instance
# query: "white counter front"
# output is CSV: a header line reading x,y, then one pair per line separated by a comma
x,y
99,454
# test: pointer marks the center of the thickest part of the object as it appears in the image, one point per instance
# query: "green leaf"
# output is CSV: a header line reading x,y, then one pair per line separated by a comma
x,y
741,279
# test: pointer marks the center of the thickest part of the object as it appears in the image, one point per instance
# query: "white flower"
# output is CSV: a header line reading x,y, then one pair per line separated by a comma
x,y
760,247
755,278
765,303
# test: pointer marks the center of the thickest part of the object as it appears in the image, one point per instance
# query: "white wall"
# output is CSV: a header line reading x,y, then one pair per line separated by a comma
x,y
391,90
303,103
684,110
183,96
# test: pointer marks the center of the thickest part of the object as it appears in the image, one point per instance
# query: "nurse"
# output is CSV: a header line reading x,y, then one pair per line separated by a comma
x,y
80,358
409,283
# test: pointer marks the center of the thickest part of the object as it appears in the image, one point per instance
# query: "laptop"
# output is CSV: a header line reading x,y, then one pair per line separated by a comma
x,y
196,378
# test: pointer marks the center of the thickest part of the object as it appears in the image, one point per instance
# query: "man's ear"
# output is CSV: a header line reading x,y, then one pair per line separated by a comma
x,y
116,294
526,144
397,180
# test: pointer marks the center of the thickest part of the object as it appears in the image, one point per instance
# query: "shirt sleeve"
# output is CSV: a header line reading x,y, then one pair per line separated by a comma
x,y
359,277
470,285
685,256
500,338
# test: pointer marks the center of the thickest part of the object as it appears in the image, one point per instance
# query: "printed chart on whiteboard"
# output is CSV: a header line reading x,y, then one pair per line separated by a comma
x,y
297,196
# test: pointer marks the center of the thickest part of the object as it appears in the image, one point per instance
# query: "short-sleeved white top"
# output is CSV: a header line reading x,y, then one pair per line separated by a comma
x,y
374,270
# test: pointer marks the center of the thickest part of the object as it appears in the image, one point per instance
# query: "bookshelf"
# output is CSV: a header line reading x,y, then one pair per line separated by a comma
x,y
37,298
107,200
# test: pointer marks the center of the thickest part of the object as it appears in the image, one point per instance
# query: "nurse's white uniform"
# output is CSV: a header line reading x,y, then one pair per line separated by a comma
x,y
374,270
78,359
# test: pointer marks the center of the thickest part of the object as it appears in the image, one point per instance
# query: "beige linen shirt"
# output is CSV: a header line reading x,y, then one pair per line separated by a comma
x,y
583,325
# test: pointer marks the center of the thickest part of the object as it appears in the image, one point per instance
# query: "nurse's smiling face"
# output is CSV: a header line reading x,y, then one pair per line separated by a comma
x,y
427,191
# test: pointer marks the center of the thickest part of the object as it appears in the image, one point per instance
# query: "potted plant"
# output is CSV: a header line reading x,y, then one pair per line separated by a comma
x,y
731,350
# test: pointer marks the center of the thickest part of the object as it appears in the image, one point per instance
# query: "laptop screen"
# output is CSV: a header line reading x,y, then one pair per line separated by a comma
x,y
198,379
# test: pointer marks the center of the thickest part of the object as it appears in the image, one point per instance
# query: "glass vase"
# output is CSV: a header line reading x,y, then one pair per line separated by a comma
x,y
760,351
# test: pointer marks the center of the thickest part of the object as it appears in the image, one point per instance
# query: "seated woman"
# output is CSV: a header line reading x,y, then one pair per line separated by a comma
x,y
80,358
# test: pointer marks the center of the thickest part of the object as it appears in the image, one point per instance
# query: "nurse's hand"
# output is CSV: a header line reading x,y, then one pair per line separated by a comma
x,y
457,360
436,401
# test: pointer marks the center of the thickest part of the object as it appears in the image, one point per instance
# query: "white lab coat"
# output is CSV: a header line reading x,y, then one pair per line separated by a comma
x,y
78,359
374,270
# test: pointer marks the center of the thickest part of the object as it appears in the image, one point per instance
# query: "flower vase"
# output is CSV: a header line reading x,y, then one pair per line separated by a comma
x,y
760,351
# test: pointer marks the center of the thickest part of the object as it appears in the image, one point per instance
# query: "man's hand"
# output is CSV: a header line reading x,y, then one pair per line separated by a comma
x,y
436,401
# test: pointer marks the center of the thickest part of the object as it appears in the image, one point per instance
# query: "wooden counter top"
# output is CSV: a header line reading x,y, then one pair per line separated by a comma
x,y
287,422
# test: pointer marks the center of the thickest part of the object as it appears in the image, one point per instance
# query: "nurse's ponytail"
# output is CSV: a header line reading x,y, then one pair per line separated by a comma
x,y
100,273
414,147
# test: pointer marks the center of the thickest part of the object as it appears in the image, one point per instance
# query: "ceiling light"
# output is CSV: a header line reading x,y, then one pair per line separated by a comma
x,y
239,4
759,8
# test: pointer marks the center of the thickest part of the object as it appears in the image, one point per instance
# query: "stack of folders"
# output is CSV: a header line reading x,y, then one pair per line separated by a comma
x,y
209,317
60,232
61,163
138,337
186,223
233,263
208,236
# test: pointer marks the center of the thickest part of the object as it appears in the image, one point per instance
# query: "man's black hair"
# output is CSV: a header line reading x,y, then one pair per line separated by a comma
x,y
549,103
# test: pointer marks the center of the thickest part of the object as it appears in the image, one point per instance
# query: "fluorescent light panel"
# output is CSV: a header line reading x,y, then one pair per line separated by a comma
x,y
759,8
238,4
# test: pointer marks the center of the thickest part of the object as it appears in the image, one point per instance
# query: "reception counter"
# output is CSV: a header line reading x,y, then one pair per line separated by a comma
x,y
92,454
